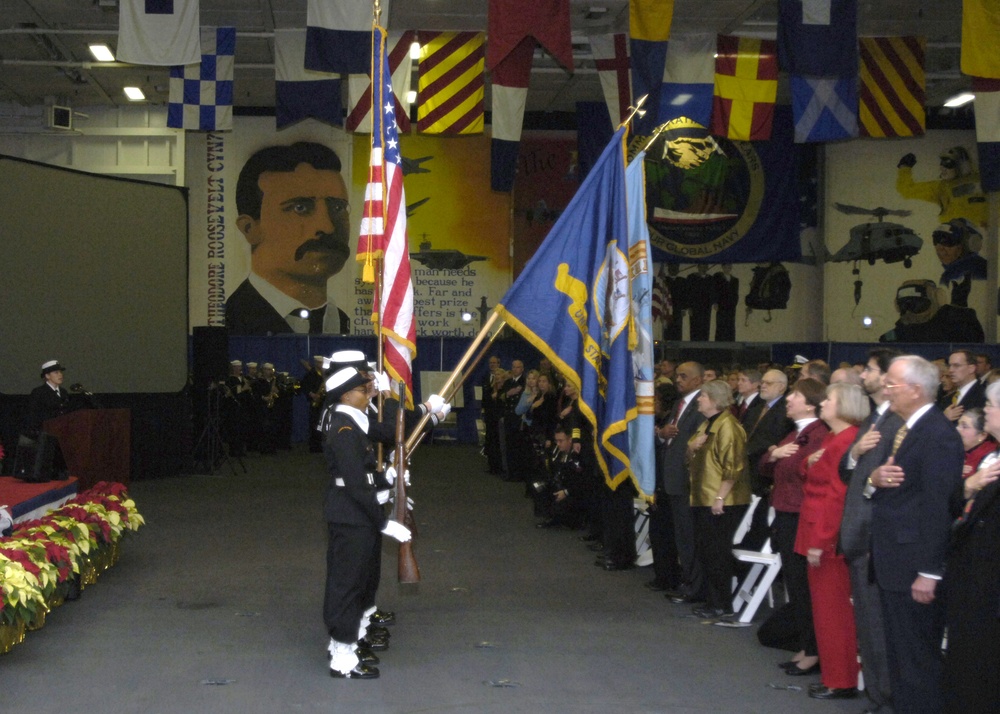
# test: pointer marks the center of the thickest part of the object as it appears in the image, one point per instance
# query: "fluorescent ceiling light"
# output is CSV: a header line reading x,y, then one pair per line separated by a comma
x,y
102,53
415,51
960,99
134,94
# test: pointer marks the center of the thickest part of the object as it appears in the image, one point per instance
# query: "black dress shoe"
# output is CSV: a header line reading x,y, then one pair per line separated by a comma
x,y
382,617
789,663
655,586
374,645
377,633
595,547
681,599
366,656
362,671
616,565
825,693
710,613
797,671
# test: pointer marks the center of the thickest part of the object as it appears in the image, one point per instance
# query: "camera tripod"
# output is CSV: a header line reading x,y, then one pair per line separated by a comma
x,y
209,451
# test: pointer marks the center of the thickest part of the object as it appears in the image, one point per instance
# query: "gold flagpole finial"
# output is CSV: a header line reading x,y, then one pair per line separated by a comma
x,y
376,11
659,130
637,109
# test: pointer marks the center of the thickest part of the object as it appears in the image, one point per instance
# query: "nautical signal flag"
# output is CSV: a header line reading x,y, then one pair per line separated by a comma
x,y
688,79
383,229
572,301
746,87
159,32
987,109
892,90
201,95
980,30
824,108
649,29
612,62
510,94
338,35
299,92
451,85
818,38
359,87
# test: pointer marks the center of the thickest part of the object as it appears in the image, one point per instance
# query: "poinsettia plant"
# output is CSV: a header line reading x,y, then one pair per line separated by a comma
x,y
42,554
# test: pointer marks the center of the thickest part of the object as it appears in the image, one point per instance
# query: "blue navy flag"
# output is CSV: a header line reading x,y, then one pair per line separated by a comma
x,y
818,38
641,430
573,302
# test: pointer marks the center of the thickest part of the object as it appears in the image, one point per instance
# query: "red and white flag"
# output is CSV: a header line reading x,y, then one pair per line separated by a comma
x,y
383,229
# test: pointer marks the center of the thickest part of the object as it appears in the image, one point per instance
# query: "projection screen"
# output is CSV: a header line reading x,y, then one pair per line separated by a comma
x,y
95,275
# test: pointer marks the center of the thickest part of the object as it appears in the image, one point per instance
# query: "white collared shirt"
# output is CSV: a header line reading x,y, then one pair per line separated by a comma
x,y
284,304
359,417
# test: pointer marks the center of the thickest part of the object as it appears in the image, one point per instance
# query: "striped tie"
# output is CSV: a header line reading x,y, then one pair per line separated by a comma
x,y
900,435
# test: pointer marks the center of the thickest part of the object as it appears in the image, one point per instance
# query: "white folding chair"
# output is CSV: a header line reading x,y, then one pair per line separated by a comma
x,y
764,568
644,554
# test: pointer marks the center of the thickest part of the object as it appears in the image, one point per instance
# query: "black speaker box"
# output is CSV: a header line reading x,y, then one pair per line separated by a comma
x,y
210,351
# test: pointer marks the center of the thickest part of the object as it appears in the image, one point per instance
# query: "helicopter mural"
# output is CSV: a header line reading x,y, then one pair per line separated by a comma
x,y
890,242
886,241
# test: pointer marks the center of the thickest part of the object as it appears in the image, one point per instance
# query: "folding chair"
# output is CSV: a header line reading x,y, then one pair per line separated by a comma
x,y
644,555
765,567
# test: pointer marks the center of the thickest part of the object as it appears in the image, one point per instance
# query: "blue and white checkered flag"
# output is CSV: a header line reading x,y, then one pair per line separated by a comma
x,y
201,95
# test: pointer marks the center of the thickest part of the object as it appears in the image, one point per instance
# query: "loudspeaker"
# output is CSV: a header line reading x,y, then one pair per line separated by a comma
x,y
210,353
39,460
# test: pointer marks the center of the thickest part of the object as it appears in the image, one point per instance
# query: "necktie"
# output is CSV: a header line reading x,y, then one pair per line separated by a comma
x,y
677,411
900,435
954,398
316,320
765,410
743,411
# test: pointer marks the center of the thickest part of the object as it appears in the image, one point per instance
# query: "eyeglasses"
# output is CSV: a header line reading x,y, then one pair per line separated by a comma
x,y
896,386
869,368
769,382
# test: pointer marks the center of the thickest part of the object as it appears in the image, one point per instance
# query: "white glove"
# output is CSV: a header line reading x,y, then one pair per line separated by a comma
x,y
406,477
444,411
390,475
382,382
397,530
383,496
409,503
434,403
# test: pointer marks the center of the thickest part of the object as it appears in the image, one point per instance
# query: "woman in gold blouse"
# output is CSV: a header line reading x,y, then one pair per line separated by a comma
x,y
720,494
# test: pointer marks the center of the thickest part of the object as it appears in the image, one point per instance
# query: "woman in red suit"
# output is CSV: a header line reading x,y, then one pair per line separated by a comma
x,y
785,463
977,442
845,406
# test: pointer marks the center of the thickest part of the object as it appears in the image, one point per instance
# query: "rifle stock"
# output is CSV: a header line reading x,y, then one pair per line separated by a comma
x,y
408,571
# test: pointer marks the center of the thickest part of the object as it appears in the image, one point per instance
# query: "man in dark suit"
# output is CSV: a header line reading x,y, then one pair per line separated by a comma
x,y
671,525
749,404
870,450
293,211
765,428
970,393
910,530
513,445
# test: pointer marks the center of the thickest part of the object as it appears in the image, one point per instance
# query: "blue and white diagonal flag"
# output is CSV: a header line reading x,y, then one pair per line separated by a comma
x,y
158,32
300,92
825,109
201,94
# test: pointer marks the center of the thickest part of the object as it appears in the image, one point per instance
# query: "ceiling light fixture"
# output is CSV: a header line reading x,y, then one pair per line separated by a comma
x,y
101,52
960,99
411,96
415,51
134,94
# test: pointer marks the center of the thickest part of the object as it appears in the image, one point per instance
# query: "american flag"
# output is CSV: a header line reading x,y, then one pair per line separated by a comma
x,y
662,305
383,227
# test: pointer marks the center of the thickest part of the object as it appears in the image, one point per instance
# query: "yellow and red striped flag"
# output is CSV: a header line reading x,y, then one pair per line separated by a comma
x,y
746,88
450,90
383,229
892,89
980,29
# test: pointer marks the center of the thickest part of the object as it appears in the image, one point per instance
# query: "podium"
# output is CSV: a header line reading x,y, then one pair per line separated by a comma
x,y
96,444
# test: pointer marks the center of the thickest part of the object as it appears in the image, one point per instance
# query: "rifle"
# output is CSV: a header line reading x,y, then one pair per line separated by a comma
x,y
408,572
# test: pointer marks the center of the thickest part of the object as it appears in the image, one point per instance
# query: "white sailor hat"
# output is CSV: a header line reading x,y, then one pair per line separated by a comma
x,y
251,364
52,366
347,358
344,380
235,363
267,365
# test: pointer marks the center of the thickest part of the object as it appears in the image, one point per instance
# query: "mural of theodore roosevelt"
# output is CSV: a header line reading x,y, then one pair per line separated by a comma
x,y
293,211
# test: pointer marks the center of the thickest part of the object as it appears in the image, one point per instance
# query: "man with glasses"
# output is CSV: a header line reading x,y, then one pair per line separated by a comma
x,y
910,528
870,449
969,393
770,426
293,211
